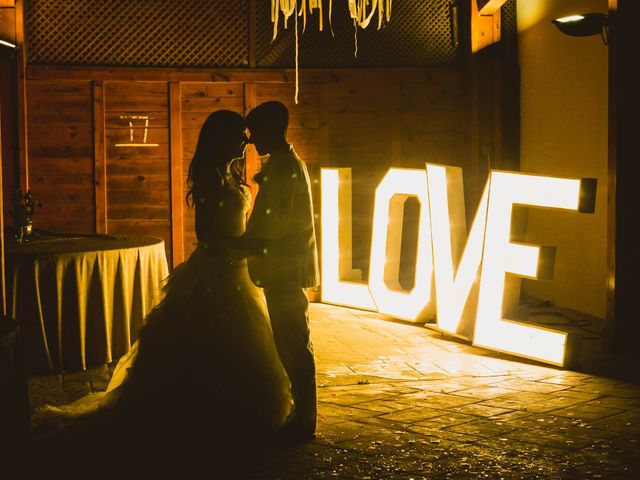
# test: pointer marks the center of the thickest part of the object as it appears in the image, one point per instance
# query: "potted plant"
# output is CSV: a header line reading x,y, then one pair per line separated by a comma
x,y
24,207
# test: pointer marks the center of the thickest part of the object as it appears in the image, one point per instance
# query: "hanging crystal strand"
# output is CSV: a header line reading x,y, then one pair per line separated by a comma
x,y
355,38
275,15
303,12
330,11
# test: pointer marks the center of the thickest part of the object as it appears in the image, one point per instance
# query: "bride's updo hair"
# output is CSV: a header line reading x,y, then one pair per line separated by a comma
x,y
219,143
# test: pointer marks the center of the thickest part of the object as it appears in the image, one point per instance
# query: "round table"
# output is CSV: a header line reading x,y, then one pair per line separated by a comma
x,y
80,300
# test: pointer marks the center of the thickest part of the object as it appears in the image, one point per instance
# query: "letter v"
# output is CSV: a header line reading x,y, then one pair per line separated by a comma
x,y
456,294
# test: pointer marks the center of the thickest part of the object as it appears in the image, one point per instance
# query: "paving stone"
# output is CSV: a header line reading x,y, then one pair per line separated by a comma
x,y
436,400
398,401
587,412
484,392
529,386
480,410
436,434
447,419
411,415
483,428
624,422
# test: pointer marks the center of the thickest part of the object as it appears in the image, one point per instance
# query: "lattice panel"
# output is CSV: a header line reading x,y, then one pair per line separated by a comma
x,y
419,34
509,27
175,33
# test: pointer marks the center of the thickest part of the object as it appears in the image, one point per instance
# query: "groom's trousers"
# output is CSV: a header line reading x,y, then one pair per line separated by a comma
x,y
289,314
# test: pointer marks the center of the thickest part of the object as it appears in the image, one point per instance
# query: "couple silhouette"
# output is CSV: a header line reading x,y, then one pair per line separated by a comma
x,y
225,359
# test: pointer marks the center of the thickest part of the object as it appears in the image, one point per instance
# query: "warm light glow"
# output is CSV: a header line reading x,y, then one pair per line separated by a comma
x,y
338,277
530,14
489,265
504,262
390,298
7,44
456,295
570,18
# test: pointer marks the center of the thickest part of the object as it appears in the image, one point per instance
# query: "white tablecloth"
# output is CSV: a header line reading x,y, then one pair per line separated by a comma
x,y
79,302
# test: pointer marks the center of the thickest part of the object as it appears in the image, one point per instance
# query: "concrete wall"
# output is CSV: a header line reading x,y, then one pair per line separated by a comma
x,y
564,133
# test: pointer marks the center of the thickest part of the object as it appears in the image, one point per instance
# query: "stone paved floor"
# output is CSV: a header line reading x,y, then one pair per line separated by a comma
x,y
400,401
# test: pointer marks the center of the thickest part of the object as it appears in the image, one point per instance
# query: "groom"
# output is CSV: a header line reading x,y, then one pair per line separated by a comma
x,y
283,216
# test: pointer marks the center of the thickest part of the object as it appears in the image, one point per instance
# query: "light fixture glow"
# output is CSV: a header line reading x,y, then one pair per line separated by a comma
x,y
456,294
391,194
584,25
570,18
441,245
504,262
7,44
339,279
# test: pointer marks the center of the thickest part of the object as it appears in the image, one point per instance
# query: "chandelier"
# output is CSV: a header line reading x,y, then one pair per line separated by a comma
x,y
360,11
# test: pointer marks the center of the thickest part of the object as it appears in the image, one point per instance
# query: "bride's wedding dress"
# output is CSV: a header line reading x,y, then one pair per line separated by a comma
x,y
205,365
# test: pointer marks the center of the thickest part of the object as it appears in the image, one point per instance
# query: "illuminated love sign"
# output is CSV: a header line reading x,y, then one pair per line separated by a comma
x,y
476,275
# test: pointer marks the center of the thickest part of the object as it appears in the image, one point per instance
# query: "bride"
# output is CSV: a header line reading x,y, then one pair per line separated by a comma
x,y
204,372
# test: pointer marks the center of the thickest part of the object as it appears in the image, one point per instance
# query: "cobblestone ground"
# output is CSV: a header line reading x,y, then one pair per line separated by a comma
x,y
399,401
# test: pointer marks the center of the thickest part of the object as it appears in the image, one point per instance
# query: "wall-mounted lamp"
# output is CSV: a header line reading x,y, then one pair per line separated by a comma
x,y
7,49
6,44
584,25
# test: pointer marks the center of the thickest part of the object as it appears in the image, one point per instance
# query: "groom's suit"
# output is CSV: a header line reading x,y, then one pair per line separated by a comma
x,y
283,216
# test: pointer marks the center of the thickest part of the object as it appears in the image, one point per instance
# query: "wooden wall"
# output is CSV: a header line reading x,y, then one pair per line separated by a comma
x,y
78,120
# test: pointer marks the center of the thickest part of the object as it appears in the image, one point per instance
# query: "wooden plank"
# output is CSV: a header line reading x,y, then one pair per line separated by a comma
x,y
138,212
60,185
358,105
77,224
489,7
99,158
142,180
146,196
136,154
285,90
212,90
21,108
49,88
141,166
372,88
140,104
57,103
453,86
206,104
136,89
297,136
307,76
42,166
76,207
304,119
194,120
435,104
154,228
485,28
324,137
155,138
59,117
360,149
120,120
395,118
58,135
61,151
177,193
307,151
346,120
